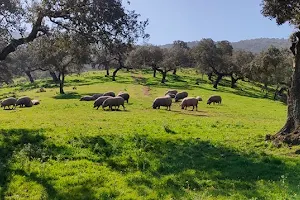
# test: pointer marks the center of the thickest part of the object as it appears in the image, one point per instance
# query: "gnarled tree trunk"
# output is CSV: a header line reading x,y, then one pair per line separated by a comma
x,y
154,72
219,78
107,70
265,89
276,93
290,133
174,71
120,67
234,80
28,73
54,77
164,75
210,76
115,73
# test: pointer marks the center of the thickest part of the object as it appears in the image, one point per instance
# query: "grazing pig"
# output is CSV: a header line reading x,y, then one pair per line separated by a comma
x,y
24,101
113,101
11,101
99,101
35,102
189,101
87,98
170,95
124,95
96,96
199,98
171,92
162,101
214,99
180,95
112,94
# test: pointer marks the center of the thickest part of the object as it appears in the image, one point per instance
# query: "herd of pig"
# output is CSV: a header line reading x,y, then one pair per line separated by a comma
x,y
166,101
111,100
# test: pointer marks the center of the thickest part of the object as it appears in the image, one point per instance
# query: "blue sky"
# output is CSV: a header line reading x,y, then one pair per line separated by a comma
x,y
191,20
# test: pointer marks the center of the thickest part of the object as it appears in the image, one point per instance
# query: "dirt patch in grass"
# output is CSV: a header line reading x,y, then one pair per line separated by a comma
x,y
146,90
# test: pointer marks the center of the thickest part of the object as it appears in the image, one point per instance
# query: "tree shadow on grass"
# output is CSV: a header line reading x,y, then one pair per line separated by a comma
x,y
198,113
139,80
19,145
195,161
69,95
172,167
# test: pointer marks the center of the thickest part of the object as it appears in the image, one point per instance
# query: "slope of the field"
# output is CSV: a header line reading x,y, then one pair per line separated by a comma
x,y
65,149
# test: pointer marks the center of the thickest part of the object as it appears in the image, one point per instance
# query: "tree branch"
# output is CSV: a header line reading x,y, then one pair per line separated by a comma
x,y
17,42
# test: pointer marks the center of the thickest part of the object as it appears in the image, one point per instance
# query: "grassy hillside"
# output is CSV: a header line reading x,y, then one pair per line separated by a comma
x,y
65,149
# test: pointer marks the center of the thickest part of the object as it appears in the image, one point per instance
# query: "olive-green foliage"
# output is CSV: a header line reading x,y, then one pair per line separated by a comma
x,y
282,11
65,149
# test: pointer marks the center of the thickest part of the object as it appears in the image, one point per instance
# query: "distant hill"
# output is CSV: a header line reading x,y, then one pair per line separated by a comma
x,y
253,45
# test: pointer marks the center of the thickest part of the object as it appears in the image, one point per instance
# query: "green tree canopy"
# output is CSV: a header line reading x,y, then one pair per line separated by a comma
x,y
104,21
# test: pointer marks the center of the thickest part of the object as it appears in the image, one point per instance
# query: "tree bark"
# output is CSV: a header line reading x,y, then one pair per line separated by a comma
x,y
275,93
120,67
265,88
28,73
210,76
290,132
54,77
154,72
164,75
61,83
174,71
234,81
115,73
107,70
219,78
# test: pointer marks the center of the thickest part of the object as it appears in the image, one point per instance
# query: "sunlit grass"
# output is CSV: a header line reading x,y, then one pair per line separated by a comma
x,y
65,149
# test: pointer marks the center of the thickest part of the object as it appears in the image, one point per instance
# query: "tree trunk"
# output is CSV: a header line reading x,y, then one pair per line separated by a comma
x,y
107,70
290,133
210,75
174,71
154,72
115,73
28,73
276,93
61,83
219,78
164,75
54,77
233,81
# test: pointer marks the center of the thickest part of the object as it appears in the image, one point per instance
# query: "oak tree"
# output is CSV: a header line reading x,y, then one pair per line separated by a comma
x,y
282,12
103,21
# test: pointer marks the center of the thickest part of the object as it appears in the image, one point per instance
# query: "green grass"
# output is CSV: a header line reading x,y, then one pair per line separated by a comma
x,y
65,149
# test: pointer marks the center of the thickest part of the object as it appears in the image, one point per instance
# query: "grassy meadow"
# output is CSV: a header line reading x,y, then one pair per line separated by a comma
x,y
65,149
